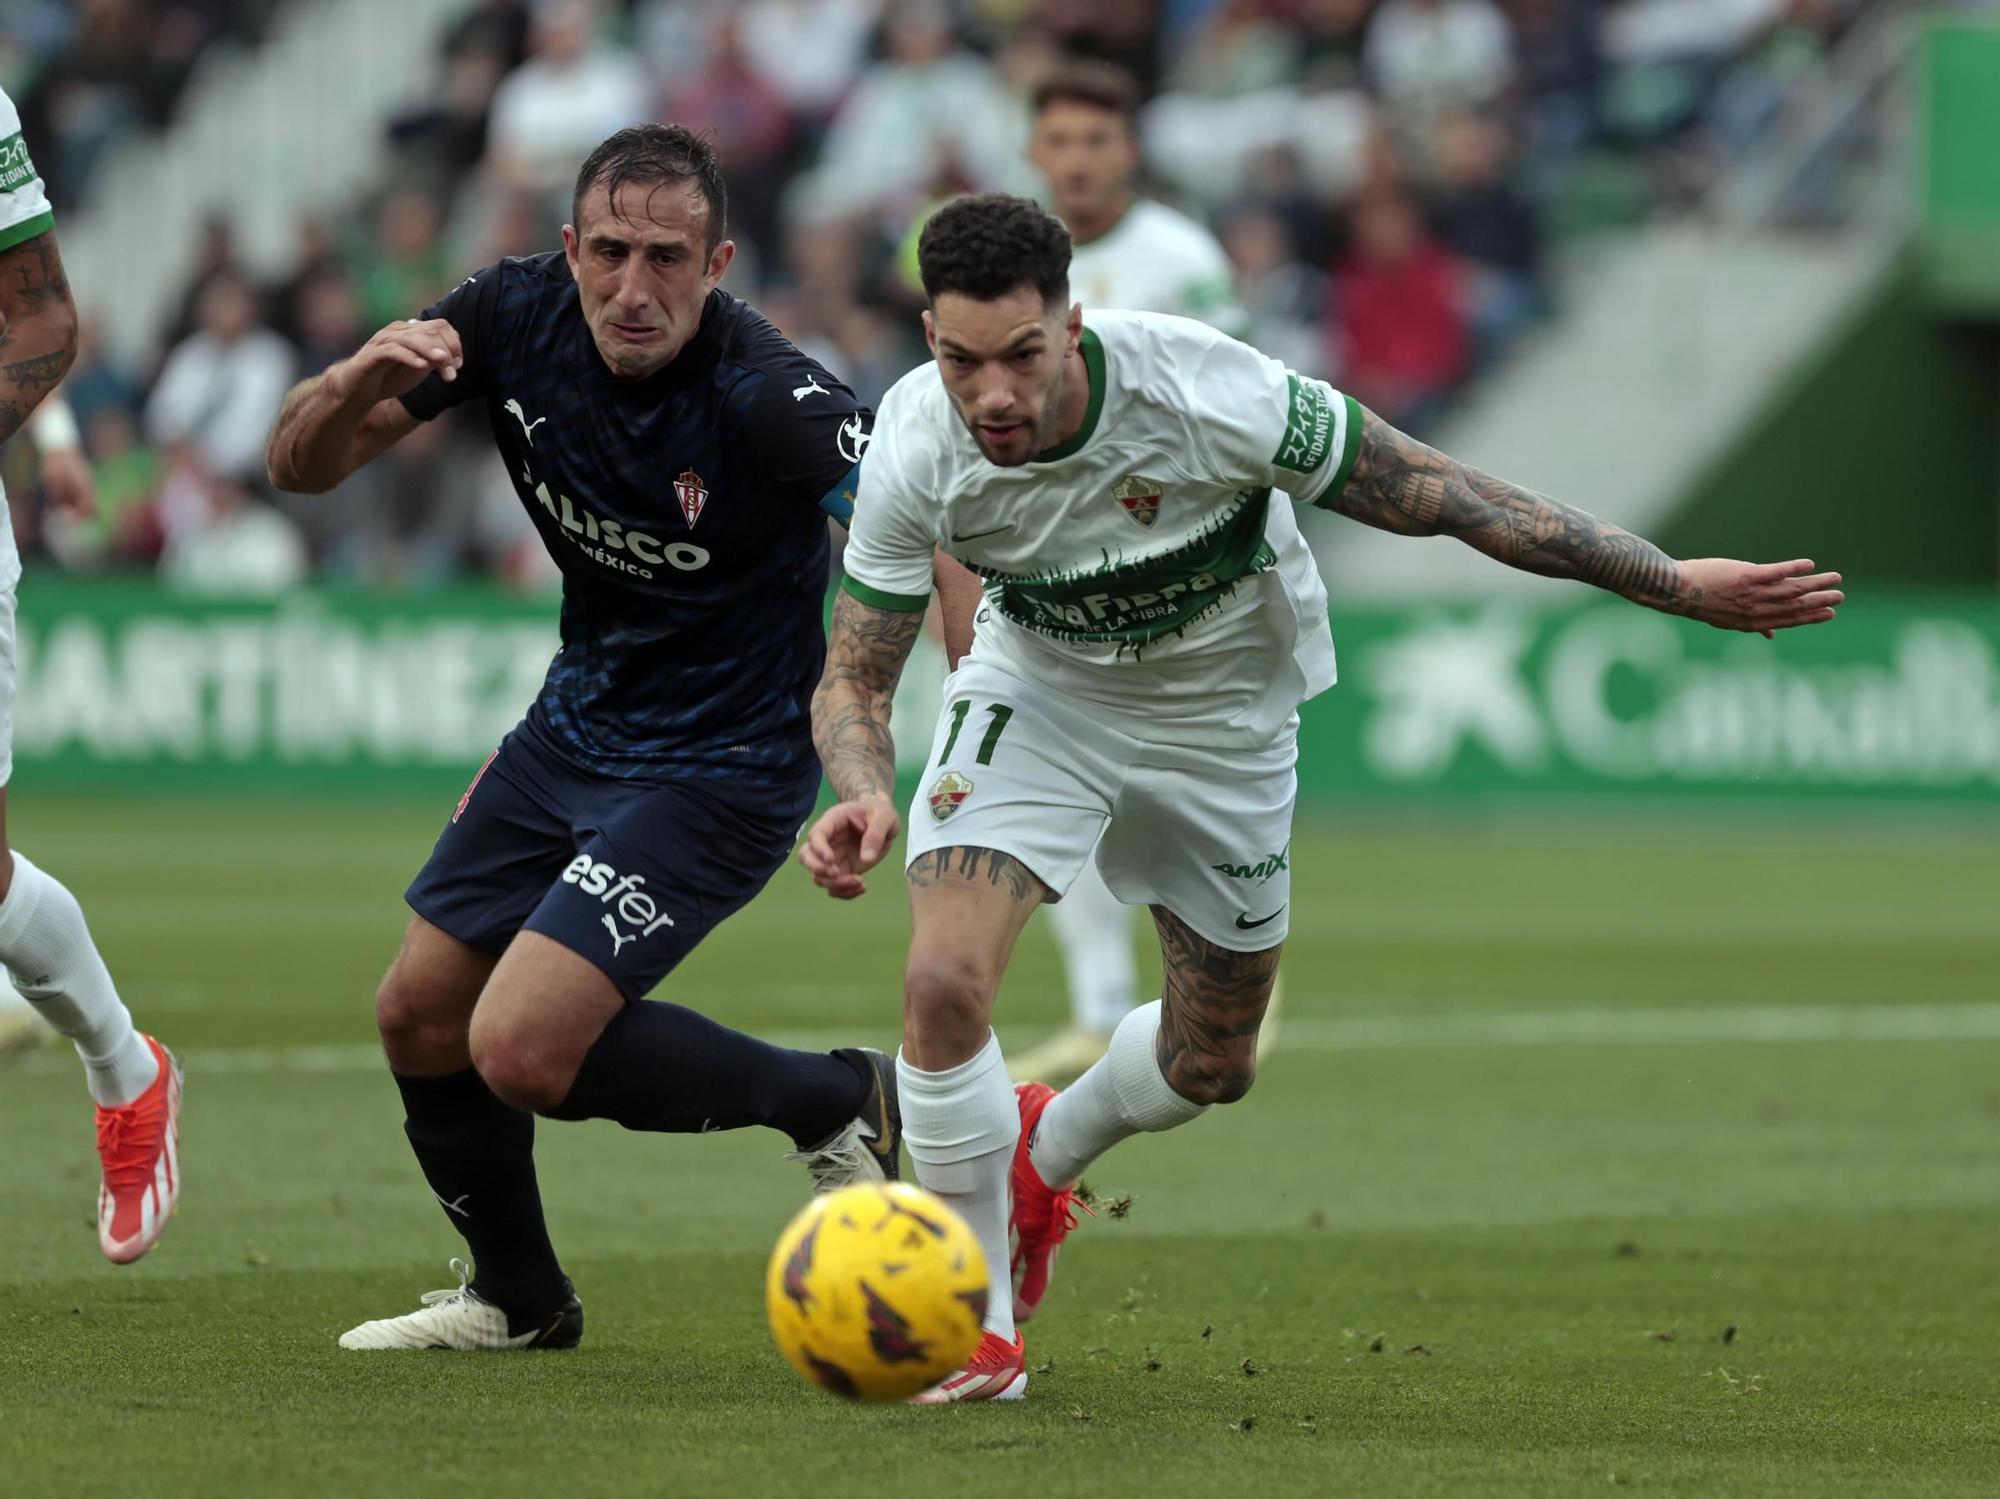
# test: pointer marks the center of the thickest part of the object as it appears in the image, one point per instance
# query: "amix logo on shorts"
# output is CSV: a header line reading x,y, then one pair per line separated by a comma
x,y
635,906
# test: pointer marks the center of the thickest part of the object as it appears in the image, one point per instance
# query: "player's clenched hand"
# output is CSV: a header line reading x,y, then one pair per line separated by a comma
x,y
397,360
1761,596
848,841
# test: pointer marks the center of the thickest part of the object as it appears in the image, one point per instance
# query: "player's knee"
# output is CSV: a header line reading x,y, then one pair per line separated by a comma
x,y
519,1069
418,1034
947,993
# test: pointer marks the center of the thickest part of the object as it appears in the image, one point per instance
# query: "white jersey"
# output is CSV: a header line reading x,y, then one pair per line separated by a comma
x,y
24,213
1144,566
1156,260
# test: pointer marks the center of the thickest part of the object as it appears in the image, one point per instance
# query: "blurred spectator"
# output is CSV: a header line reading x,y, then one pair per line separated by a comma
x,y
494,29
570,94
444,137
1490,226
215,259
1125,33
125,528
1280,295
810,51
1239,49
1428,57
236,547
751,124
330,324
406,267
221,386
1400,336
313,257
94,382
1561,66
928,104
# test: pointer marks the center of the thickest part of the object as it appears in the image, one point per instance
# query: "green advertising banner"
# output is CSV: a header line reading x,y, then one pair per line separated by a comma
x,y
1897,701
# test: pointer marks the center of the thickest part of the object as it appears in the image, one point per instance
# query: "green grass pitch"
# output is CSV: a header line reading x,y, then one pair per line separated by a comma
x,y
1625,1156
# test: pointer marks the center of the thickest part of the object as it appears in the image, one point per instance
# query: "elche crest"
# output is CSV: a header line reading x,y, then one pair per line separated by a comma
x,y
1140,498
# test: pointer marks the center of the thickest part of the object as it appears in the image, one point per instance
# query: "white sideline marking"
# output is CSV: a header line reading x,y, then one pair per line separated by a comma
x,y
1790,1024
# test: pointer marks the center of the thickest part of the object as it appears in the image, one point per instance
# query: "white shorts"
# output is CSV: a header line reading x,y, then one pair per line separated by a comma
x,y
1204,832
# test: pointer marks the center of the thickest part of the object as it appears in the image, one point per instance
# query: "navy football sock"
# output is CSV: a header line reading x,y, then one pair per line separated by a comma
x,y
478,1156
663,1067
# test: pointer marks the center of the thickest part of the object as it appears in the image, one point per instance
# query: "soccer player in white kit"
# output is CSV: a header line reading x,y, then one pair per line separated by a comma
x,y
1151,622
44,941
1130,253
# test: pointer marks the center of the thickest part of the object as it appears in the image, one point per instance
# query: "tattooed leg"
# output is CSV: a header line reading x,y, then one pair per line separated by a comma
x,y
1213,1005
968,906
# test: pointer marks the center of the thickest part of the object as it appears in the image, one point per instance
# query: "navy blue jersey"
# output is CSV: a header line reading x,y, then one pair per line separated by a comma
x,y
687,512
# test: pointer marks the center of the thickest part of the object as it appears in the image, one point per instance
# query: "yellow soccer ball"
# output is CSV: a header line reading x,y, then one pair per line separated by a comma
x,y
876,1291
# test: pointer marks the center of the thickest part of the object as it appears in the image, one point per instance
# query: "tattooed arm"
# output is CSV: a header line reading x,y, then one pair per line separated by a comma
x,y
1398,484
37,328
850,725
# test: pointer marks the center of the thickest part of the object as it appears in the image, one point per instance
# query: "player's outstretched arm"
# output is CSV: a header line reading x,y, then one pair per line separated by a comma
x,y
37,328
1401,485
333,423
865,653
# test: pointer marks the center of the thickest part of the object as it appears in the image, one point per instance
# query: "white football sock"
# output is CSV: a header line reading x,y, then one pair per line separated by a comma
x,y
47,949
1124,1094
961,1126
1094,931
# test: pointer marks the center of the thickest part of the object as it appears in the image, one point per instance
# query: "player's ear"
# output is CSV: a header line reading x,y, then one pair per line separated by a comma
x,y
1073,324
930,332
718,261
571,246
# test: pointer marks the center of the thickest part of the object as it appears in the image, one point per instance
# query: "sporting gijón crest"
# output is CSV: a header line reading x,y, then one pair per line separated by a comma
x,y
692,494
1140,499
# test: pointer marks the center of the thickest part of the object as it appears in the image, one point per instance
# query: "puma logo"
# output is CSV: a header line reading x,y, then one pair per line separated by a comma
x,y
812,386
527,427
618,938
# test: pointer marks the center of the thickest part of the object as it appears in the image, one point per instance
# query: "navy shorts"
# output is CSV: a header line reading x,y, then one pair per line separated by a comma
x,y
627,874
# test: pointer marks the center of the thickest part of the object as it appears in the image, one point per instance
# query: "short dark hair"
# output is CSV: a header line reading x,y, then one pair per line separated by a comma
x,y
1101,85
656,153
989,244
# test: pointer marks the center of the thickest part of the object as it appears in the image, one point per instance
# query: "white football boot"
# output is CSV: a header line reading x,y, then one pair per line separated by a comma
x,y
868,1147
461,1321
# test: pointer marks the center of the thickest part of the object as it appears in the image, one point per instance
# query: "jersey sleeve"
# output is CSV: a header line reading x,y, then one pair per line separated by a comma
x,y
892,541
1262,423
471,307
24,203
809,433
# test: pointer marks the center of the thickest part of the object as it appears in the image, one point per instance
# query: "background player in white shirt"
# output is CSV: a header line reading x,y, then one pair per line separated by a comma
x,y
1133,253
1152,621
44,942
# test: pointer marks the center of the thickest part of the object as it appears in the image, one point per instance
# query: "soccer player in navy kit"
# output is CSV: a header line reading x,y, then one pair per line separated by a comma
x,y
680,458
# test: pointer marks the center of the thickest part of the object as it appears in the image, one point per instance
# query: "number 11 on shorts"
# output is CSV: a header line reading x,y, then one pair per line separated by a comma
x,y
999,713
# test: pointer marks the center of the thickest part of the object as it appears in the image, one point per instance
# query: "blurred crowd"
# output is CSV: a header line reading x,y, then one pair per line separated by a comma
x,y
1387,177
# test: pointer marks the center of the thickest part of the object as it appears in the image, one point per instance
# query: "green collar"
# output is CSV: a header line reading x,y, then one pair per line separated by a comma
x,y
1093,364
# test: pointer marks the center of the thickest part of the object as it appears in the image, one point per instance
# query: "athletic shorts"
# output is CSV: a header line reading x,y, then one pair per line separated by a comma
x,y
1204,832
630,875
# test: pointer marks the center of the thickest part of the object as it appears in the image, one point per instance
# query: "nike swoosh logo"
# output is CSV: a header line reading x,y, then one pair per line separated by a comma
x,y
1243,925
975,535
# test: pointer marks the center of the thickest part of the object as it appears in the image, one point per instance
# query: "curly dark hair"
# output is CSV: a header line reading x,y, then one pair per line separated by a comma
x,y
989,244
656,154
